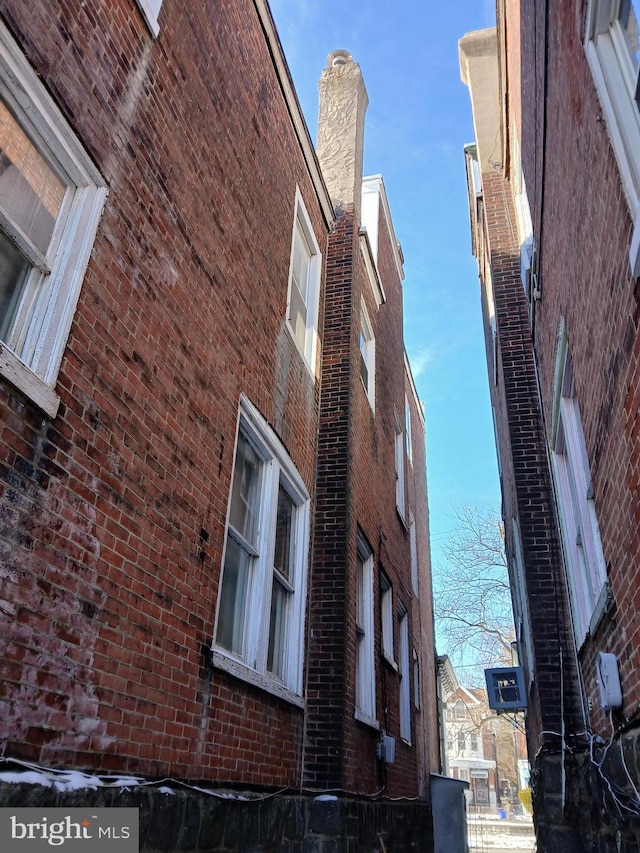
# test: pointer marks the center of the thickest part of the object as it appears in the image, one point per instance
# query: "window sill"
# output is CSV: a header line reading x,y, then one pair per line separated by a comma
x,y
361,717
389,660
238,670
403,520
27,382
150,16
600,609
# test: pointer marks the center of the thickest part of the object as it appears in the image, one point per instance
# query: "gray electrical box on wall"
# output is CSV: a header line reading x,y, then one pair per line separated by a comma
x,y
609,681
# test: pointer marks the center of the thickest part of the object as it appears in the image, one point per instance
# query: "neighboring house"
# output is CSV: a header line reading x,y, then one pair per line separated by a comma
x,y
554,185
484,749
465,715
214,538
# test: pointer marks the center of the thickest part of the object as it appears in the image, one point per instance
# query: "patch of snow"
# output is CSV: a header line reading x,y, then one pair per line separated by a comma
x,y
165,790
325,798
31,777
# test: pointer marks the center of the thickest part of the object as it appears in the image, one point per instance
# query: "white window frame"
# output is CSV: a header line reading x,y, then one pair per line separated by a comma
x,y
365,698
616,82
251,664
413,546
401,501
474,745
586,567
302,224
417,698
404,671
367,345
407,430
386,618
521,609
150,11
30,359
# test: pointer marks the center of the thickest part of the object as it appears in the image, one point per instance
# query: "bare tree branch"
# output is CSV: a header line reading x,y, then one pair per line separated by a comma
x,y
472,598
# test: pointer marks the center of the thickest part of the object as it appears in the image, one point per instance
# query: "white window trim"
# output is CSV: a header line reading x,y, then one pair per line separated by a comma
x,y
586,566
521,608
368,354
301,217
401,500
407,428
35,372
413,544
405,675
417,698
613,75
365,709
150,11
278,467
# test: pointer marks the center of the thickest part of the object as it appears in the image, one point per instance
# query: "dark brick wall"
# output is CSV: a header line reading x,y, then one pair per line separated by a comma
x,y
356,491
526,483
113,514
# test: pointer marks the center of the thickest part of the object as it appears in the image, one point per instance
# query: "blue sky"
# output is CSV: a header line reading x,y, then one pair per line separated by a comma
x,y
417,123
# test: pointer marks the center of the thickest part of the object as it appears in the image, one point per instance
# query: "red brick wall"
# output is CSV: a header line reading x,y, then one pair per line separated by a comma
x,y
113,515
585,279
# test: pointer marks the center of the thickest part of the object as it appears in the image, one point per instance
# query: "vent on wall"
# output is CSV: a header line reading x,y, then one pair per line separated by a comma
x,y
505,689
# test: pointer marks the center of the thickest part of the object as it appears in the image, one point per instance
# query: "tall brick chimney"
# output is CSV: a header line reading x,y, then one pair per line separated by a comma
x,y
343,103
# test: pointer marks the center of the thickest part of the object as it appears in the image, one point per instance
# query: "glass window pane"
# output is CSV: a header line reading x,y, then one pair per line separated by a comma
x,y
298,315
233,597
284,534
30,192
245,492
301,260
13,273
628,17
277,629
360,594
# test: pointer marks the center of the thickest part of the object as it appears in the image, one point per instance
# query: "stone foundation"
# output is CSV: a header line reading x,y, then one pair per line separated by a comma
x,y
193,822
580,806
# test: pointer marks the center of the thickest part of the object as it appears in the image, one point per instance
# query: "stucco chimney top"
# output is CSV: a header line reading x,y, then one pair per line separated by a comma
x,y
339,57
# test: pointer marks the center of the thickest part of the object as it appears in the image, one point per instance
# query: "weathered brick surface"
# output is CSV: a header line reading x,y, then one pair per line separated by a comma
x,y
356,490
113,515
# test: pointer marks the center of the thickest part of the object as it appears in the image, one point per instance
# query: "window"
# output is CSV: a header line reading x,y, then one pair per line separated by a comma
x,y
51,198
405,676
367,356
614,58
150,10
417,701
304,285
413,542
386,615
407,430
399,462
259,625
462,742
473,743
580,534
365,667
460,710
